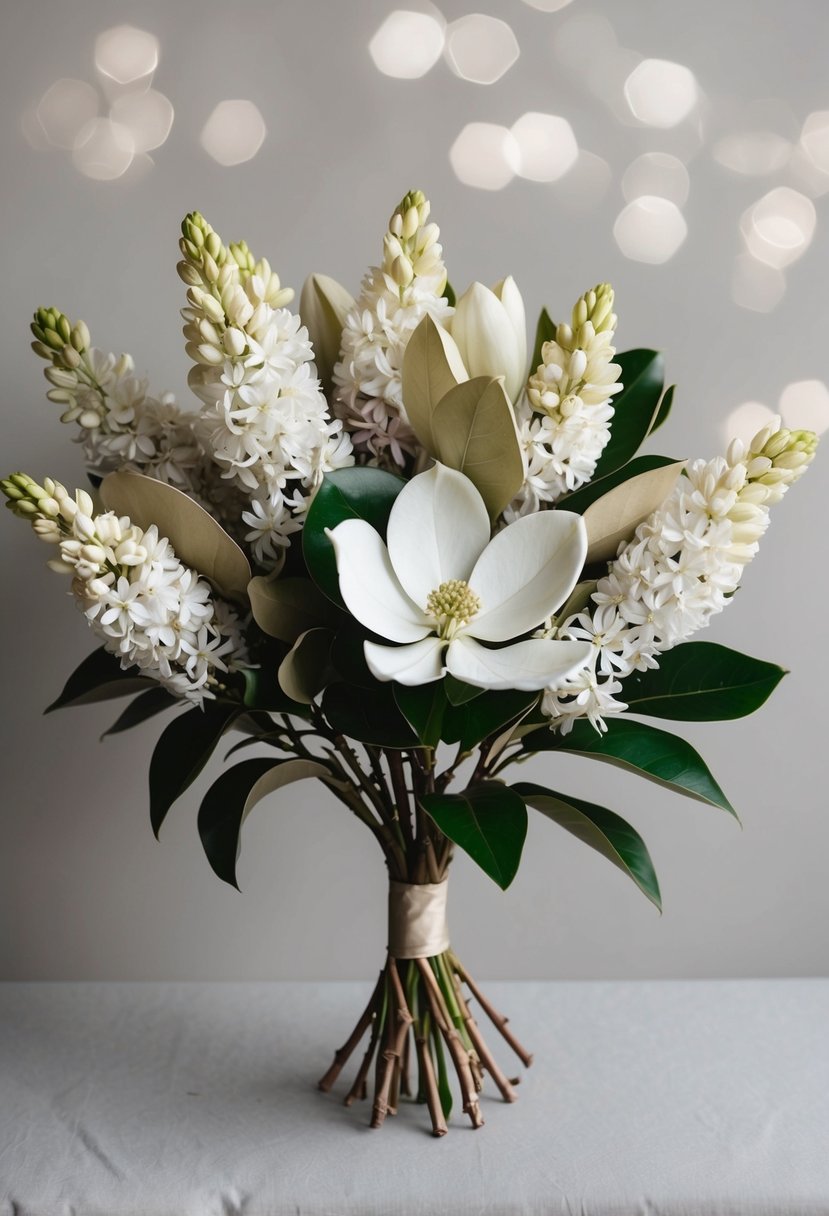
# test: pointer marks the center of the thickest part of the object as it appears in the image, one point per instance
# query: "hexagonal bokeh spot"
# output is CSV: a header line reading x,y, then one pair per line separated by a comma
x,y
661,93
407,44
485,155
546,145
752,153
64,109
756,286
548,6
148,116
125,53
104,150
656,173
234,132
650,229
779,227
480,48
804,404
814,139
746,420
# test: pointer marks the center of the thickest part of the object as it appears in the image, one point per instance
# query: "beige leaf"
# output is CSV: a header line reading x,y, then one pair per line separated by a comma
x,y
475,432
199,541
431,367
286,607
323,307
615,516
285,774
577,601
302,672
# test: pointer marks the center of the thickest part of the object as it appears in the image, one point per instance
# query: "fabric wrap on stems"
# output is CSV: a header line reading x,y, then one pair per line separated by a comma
x,y
417,919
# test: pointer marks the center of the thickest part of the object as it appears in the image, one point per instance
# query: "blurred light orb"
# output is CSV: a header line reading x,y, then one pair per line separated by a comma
x,y
804,405
64,109
752,153
104,150
584,187
480,48
126,54
485,156
756,286
148,116
234,132
779,228
814,139
805,175
661,93
650,229
548,6
33,131
407,44
547,147
657,173
746,420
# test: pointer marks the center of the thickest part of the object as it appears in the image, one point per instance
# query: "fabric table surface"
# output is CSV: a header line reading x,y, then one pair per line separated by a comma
x,y
662,1098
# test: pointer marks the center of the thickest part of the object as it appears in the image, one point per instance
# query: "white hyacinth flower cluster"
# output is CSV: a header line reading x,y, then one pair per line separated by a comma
x,y
147,608
681,567
394,298
121,426
265,422
564,419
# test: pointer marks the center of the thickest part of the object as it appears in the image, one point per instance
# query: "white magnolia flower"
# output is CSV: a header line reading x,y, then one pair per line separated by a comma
x,y
490,329
442,588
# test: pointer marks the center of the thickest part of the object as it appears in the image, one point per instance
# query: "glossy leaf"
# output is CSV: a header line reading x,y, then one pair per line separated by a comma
x,y
198,539
369,715
602,830
702,682
145,706
181,753
286,607
665,405
323,307
99,678
475,433
302,673
423,708
581,499
356,493
644,750
635,408
263,692
233,796
615,516
488,821
431,367
458,693
469,724
545,331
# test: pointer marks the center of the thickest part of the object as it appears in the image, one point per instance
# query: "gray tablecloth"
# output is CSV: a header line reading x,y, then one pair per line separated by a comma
x,y
646,1099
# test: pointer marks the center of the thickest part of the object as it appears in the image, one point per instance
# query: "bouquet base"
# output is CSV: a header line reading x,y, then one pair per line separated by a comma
x,y
419,1018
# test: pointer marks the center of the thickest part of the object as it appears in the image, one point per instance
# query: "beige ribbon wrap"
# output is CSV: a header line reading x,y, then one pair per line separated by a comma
x,y
417,919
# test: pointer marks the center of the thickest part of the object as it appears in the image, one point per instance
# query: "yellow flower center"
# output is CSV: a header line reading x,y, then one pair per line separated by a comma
x,y
452,606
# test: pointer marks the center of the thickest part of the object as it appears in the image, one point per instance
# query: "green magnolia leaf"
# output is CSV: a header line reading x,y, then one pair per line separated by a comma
x,y
545,331
146,705
469,724
702,682
302,673
181,753
664,410
431,367
635,409
457,692
198,539
581,499
286,607
615,516
369,715
356,493
655,754
603,830
449,294
99,678
423,708
323,307
263,692
488,821
475,432
233,796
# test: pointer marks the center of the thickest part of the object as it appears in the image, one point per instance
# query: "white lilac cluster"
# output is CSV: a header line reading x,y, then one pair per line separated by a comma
x,y
121,426
394,298
265,422
147,608
681,567
564,419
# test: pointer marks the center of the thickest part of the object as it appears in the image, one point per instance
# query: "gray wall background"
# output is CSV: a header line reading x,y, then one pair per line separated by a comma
x,y
85,890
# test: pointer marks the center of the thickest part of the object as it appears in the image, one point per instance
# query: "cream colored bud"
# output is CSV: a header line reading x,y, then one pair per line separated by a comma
x,y
402,271
90,420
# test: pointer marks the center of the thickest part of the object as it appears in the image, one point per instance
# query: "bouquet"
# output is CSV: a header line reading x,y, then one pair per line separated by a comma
x,y
395,551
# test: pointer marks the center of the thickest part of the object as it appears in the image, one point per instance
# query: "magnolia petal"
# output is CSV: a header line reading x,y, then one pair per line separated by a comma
x,y
512,300
438,528
526,572
487,338
417,663
534,664
369,585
